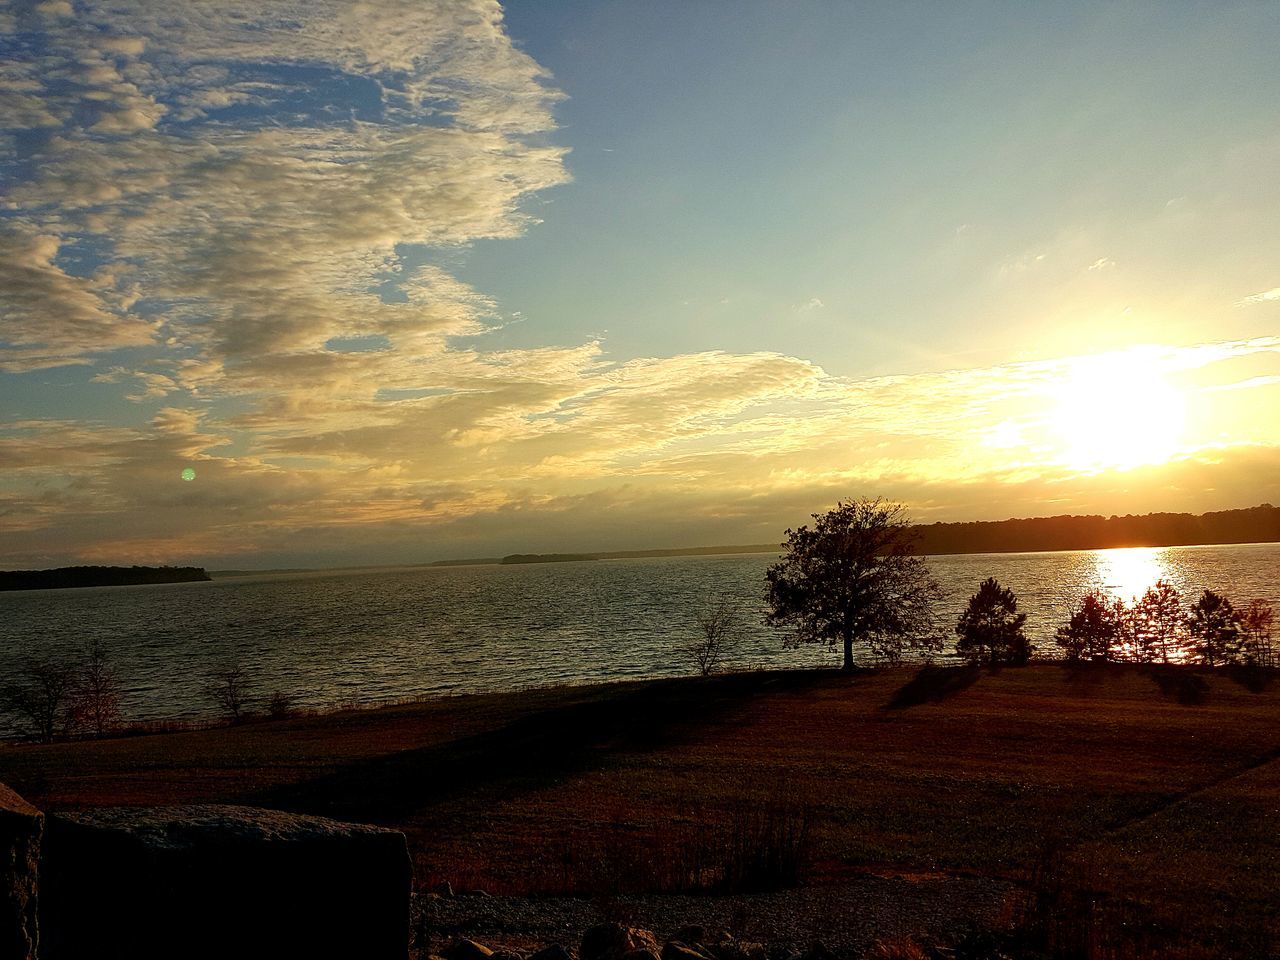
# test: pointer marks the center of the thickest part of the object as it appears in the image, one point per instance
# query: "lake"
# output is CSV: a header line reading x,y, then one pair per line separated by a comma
x,y
366,636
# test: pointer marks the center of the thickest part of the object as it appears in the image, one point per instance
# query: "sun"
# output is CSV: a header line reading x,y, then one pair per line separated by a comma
x,y
1117,411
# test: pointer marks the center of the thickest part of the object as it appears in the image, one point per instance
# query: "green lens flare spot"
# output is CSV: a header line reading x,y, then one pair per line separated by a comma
x,y
188,474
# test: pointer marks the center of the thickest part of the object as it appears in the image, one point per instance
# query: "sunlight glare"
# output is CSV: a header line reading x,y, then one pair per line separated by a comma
x,y
1118,410
1127,572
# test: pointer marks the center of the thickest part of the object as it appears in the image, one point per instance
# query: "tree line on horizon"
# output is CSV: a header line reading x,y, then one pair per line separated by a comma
x,y
1260,524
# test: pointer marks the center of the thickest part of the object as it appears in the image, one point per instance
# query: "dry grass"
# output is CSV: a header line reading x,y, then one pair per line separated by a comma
x,y
1166,807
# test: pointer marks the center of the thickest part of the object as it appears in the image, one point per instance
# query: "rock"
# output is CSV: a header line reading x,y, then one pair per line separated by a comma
x,y
506,955
676,950
464,949
690,933
728,949
552,952
641,953
210,881
612,941
443,889
21,830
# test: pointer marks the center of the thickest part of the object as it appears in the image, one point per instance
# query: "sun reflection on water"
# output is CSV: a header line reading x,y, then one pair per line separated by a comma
x,y
1127,572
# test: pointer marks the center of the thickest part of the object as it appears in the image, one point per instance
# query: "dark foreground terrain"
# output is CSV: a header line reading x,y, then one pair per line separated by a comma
x,y
1134,809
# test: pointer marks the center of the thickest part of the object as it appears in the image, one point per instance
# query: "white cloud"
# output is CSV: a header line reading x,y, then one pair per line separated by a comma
x,y
1267,296
202,227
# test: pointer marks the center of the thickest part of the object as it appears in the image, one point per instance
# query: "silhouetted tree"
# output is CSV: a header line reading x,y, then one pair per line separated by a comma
x,y
851,577
95,693
38,697
229,688
990,629
1257,630
1159,622
1215,629
1093,632
717,630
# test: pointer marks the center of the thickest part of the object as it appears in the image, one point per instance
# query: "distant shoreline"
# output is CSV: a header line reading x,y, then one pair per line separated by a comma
x,y
62,578
1260,524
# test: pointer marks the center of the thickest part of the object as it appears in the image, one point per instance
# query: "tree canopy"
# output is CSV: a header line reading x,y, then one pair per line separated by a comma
x,y
851,578
990,629
1093,632
1215,629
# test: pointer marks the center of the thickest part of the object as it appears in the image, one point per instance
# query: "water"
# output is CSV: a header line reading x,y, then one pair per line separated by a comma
x,y
340,637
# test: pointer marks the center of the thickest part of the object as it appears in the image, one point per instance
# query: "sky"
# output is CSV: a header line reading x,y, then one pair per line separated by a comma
x,y
291,283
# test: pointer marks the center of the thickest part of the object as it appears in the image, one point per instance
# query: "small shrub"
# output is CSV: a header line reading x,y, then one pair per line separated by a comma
x,y
280,706
229,689
718,629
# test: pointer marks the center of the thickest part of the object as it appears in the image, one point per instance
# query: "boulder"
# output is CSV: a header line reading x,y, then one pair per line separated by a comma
x,y
21,829
221,881
612,941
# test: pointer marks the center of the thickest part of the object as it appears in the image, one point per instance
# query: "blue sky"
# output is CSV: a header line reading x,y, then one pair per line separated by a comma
x,y
436,278
728,170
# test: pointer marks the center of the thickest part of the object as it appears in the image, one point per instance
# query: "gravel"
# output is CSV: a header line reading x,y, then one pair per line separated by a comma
x,y
847,918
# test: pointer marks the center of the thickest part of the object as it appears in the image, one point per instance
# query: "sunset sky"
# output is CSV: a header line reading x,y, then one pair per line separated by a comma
x,y
404,280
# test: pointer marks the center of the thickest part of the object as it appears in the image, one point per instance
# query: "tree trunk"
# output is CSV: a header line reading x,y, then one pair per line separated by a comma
x,y
848,651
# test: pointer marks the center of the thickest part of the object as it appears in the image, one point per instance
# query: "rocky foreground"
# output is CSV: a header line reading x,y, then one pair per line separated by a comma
x,y
860,918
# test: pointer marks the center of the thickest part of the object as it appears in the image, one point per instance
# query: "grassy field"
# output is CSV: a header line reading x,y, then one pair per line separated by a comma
x,y
1156,791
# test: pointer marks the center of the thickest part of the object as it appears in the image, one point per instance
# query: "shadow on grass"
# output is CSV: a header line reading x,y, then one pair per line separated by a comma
x,y
1178,682
933,685
1255,679
533,751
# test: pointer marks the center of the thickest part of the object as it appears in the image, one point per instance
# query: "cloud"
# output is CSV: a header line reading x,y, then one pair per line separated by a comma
x,y
265,238
50,316
1266,296
205,202
543,437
